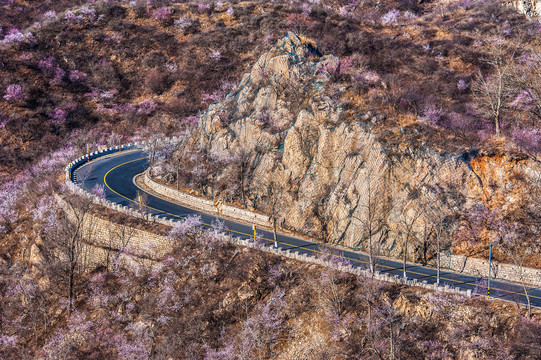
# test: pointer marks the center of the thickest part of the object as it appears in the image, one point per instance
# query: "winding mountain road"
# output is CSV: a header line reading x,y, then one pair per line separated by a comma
x,y
117,171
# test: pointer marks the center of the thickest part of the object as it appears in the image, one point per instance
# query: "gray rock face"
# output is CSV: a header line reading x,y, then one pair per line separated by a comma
x,y
327,174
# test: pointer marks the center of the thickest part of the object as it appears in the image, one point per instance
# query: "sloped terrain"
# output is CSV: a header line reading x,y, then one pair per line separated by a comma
x,y
399,89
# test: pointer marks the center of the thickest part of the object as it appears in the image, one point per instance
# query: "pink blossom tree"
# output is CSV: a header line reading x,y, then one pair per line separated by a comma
x,y
14,93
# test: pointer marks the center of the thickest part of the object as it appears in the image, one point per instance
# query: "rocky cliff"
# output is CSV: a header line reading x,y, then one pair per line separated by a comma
x,y
293,152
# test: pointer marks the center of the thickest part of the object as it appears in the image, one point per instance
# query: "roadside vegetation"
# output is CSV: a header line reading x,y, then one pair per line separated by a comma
x,y
211,300
448,75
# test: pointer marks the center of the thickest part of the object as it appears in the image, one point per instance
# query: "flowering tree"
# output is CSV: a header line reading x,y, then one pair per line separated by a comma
x,y
162,13
390,17
261,331
58,116
14,93
183,24
188,225
431,114
528,139
77,77
494,92
8,200
526,76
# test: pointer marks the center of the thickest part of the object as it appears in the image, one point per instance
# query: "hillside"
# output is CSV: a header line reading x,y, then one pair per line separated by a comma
x,y
327,115
407,58
211,300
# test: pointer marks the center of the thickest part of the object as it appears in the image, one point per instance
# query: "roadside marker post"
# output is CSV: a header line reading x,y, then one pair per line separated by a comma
x,y
253,227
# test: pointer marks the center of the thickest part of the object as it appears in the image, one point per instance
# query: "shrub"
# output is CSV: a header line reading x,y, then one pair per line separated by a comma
x,y
154,59
158,81
105,76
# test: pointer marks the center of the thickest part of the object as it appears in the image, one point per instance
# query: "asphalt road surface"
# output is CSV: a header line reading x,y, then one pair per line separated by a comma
x,y
117,172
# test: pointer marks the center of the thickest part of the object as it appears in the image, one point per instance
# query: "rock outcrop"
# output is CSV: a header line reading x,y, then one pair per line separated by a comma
x,y
531,8
327,175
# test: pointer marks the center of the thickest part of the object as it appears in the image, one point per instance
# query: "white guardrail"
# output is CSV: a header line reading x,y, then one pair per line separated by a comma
x,y
72,166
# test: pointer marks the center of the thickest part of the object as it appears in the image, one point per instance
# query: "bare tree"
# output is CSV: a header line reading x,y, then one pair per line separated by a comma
x,y
439,210
333,287
376,208
122,235
438,221
408,217
274,195
176,160
494,93
518,253
244,170
75,228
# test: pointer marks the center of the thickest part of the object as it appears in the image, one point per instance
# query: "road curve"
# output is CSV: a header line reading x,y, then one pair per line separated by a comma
x,y
116,172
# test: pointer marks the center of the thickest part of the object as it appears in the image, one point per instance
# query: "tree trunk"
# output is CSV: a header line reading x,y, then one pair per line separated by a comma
x,y
370,252
274,232
369,316
405,254
392,341
527,300
70,290
242,191
438,260
529,305
71,274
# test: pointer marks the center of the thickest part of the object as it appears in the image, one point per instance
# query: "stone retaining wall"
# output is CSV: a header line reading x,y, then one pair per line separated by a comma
x,y
205,205
107,242
499,271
